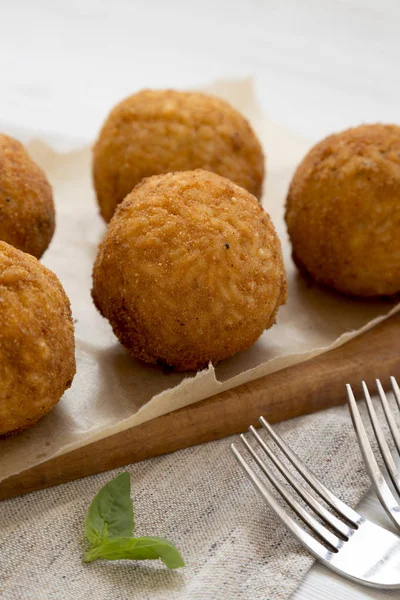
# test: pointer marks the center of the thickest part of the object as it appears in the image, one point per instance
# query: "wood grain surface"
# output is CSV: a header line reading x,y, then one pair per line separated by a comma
x,y
304,388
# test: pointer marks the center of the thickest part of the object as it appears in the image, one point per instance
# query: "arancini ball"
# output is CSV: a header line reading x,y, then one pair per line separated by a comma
x,y
27,215
159,131
37,348
343,211
190,270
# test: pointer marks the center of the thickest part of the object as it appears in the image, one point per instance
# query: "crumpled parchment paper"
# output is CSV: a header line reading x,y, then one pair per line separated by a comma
x,y
112,391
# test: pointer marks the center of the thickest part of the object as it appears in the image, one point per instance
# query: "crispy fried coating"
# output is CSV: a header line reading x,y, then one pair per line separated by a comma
x,y
37,348
160,131
27,216
190,270
343,211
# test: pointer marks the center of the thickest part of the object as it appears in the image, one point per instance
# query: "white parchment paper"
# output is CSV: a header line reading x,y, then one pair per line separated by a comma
x,y
112,391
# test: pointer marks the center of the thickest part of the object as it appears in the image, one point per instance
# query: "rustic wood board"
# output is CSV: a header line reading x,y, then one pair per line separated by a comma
x,y
304,388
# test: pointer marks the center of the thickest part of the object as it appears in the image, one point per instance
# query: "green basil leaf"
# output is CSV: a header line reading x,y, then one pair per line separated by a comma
x,y
143,548
111,511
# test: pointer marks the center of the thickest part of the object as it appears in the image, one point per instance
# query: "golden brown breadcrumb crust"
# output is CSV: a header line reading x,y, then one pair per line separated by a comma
x,y
190,270
159,131
37,348
343,211
27,215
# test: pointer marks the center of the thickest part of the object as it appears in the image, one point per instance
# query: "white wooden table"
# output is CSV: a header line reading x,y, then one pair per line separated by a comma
x,y
319,66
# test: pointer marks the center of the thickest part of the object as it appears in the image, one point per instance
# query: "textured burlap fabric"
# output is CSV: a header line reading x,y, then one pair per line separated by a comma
x,y
198,498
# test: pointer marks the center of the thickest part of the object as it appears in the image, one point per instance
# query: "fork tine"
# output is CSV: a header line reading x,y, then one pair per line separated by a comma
x,y
340,507
342,530
310,543
382,443
382,489
389,415
331,540
396,390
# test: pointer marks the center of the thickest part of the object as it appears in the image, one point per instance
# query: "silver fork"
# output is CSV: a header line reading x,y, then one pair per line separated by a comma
x,y
388,500
352,546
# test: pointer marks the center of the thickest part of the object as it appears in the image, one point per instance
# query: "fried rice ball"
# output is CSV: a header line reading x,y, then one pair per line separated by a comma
x,y
27,216
343,211
190,270
159,131
37,359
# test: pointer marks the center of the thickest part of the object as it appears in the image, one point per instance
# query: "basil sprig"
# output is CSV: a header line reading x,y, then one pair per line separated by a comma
x,y
109,527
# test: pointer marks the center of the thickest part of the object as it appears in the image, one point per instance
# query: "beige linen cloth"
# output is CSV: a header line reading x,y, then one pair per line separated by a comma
x,y
198,498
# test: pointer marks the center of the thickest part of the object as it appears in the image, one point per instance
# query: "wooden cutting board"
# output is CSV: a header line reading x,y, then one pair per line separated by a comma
x,y
304,388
